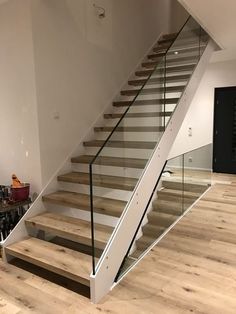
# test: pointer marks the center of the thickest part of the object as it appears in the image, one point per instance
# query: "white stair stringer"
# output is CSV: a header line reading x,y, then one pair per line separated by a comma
x,y
116,249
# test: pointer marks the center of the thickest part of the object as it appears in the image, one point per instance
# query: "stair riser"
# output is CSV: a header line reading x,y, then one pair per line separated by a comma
x,y
177,199
109,170
115,194
121,152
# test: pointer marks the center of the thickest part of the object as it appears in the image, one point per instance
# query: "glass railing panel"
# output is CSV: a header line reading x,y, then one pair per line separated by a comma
x,y
130,136
197,173
179,186
163,210
127,140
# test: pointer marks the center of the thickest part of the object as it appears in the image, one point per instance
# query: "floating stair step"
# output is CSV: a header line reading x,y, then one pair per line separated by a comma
x,y
102,205
106,181
146,102
181,68
55,258
150,91
111,161
167,206
169,36
153,64
187,47
174,52
164,40
145,242
160,80
122,144
71,228
179,193
161,219
138,115
130,129
153,230
191,187
180,43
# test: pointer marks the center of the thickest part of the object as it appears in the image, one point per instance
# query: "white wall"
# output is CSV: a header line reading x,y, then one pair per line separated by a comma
x,y
19,140
81,63
178,16
200,115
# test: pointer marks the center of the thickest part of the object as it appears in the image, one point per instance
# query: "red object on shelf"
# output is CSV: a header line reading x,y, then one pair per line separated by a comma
x,y
20,193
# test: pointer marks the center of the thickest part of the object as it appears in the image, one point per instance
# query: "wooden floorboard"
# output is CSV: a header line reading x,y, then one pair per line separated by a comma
x,y
192,270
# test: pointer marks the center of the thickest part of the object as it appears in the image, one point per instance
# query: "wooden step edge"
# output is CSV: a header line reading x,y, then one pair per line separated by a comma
x,y
154,102
130,129
170,79
112,161
56,261
65,229
102,205
122,144
149,91
101,180
138,115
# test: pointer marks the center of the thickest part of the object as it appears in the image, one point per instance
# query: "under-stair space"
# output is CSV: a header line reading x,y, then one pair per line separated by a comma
x,y
171,201
60,238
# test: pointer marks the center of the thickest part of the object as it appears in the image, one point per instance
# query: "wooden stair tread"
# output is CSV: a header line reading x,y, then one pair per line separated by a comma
x,y
168,206
122,144
71,228
101,205
130,129
153,230
160,80
152,64
111,161
188,186
138,115
168,89
190,46
172,69
145,102
187,194
122,183
63,261
161,218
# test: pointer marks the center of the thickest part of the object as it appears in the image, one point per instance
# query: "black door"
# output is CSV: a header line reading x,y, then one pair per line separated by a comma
x,y
224,149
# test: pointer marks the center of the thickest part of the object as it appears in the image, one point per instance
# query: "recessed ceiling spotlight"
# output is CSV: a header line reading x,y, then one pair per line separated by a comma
x,y
176,52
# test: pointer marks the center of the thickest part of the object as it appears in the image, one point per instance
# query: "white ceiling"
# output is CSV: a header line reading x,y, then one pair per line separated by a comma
x,y
218,17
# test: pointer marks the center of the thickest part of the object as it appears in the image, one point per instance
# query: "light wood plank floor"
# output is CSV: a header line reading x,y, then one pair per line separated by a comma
x,y
192,270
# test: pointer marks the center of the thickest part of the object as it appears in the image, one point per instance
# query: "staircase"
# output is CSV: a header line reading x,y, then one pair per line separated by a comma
x,y
56,234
